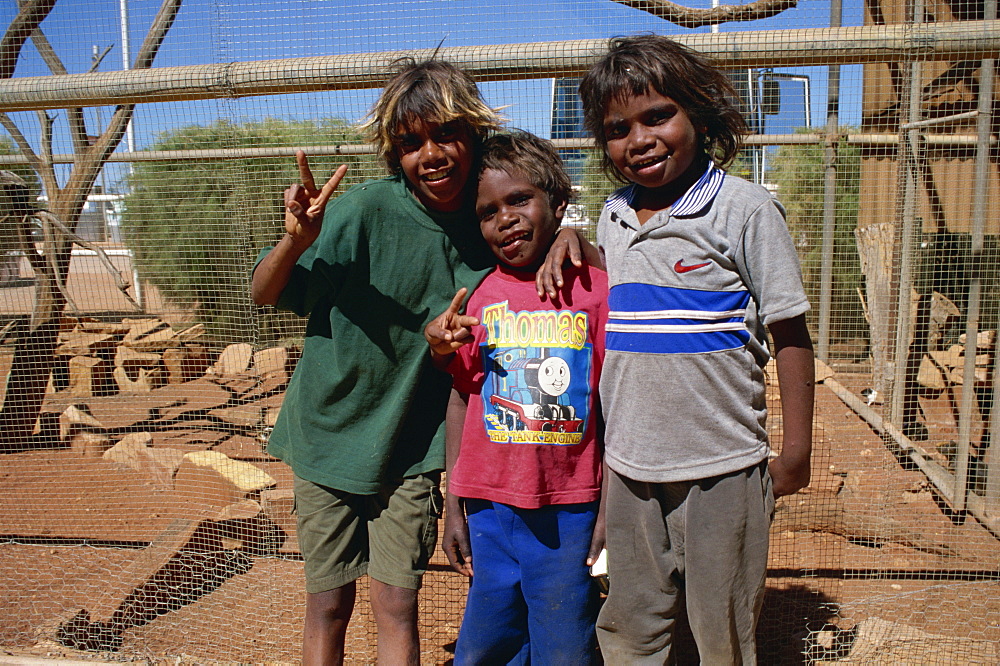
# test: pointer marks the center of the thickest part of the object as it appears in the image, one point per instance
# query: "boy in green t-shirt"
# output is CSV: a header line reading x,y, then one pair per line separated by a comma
x,y
362,421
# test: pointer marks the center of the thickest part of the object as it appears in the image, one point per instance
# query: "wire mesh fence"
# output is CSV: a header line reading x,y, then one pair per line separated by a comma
x,y
146,146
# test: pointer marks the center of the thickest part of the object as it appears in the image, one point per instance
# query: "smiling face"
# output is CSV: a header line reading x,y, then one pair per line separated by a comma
x,y
553,376
517,219
652,142
436,159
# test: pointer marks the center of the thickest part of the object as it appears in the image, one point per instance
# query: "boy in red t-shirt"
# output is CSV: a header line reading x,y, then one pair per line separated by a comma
x,y
523,447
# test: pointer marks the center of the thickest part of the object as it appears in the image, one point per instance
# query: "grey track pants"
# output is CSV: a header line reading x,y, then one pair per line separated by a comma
x,y
700,543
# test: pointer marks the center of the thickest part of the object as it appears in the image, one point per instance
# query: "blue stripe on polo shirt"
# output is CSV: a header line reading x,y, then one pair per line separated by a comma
x,y
636,297
675,343
670,320
705,323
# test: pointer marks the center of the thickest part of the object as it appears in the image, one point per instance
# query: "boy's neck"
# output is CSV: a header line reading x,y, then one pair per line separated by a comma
x,y
527,269
519,271
651,201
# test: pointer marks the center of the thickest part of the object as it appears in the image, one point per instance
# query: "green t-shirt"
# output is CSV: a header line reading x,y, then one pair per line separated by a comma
x,y
365,404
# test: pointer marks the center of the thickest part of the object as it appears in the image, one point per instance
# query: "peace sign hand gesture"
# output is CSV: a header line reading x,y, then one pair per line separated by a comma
x,y
450,329
304,204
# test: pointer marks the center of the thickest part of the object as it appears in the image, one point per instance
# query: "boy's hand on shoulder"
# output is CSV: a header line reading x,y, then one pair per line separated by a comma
x,y
451,329
569,244
305,204
549,278
455,540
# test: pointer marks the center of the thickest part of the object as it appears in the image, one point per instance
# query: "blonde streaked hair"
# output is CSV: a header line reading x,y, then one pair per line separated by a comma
x,y
435,91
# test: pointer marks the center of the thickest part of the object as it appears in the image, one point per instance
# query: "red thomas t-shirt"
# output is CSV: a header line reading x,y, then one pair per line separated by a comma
x,y
530,434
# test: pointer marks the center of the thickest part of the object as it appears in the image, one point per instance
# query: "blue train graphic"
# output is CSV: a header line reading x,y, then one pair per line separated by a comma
x,y
529,392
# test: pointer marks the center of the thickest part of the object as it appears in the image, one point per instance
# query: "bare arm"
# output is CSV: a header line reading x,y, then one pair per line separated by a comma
x,y
597,539
796,381
455,540
273,272
304,208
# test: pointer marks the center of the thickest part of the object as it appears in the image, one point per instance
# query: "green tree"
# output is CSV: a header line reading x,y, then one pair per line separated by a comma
x,y
595,187
10,246
196,226
28,174
798,173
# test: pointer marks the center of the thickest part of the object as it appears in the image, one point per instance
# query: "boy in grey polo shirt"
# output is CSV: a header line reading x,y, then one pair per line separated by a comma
x,y
701,268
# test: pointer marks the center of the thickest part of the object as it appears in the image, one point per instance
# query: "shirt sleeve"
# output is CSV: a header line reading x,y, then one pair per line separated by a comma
x,y
466,369
769,263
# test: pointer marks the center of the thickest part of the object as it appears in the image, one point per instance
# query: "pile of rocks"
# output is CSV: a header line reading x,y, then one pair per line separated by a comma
x,y
145,395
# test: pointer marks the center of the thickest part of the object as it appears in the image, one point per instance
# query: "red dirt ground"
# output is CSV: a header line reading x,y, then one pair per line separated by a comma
x,y
69,524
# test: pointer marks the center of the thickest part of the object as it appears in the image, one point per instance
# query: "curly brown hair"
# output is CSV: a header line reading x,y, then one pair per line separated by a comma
x,y
531,157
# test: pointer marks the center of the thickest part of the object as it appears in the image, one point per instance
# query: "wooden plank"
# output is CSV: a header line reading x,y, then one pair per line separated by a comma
x,y
99,625
125,411
140,328
196,396
243,416
156,341
86,344
150,560
186,363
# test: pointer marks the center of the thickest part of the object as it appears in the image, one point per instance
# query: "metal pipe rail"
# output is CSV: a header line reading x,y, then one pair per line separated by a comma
x,y
884,140
775,48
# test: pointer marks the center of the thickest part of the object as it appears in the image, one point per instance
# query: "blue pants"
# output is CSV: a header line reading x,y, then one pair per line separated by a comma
x,y
532,599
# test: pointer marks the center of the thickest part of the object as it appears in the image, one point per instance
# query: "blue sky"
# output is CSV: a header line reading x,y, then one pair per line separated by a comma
x,y
217,31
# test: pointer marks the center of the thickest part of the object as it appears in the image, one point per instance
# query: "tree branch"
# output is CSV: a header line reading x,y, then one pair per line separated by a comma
x,y
77,127
97,60
31,13
50,275
45,169
157,32
48,218
688,17
89,165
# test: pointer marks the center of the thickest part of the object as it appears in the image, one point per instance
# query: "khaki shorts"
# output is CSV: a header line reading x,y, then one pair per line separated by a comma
x,y
390,535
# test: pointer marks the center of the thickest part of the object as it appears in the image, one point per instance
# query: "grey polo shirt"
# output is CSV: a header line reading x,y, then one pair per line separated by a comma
x,y
691,291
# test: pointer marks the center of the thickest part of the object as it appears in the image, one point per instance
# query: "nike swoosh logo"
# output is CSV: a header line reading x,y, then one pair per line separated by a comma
x,y
681,268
